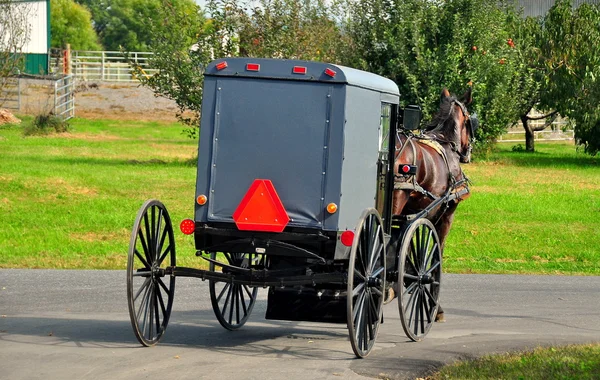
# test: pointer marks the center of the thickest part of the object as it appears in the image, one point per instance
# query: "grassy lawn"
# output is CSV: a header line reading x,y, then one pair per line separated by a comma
x,y
570,362
529,213
68,201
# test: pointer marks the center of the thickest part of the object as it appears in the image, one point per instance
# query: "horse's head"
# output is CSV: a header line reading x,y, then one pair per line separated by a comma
x,y
455,125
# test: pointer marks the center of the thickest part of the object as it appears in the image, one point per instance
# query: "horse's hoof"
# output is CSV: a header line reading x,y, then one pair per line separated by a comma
x,y
390,294
439,317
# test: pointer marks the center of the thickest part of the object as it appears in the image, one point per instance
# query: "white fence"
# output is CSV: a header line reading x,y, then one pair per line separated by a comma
x,y
64,97
109,66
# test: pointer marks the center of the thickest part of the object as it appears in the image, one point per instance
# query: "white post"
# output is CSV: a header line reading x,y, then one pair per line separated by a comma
x,y
102,66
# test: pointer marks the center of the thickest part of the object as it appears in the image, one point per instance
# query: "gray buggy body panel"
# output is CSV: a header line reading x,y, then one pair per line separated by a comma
x,y
314,136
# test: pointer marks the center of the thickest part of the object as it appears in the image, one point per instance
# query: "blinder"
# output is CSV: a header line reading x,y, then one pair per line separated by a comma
x,y
473,125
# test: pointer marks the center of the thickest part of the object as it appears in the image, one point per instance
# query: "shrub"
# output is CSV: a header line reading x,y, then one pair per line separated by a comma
x,y
45,124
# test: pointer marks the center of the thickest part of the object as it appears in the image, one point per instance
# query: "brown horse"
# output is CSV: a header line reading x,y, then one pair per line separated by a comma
x,y
437,153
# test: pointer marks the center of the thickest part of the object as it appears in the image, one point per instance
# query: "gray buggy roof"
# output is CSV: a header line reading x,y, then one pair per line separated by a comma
x,y
315,71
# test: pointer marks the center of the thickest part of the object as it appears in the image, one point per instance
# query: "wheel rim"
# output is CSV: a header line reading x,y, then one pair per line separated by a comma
x,y
366,283
420,273
150,287
232,303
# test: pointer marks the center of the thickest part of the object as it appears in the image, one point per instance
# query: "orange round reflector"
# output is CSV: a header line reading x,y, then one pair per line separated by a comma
x,y
331,208
347,238
187,226
201,199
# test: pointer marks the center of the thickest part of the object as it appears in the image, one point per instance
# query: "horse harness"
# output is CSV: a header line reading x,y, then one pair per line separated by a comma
x,y
408,182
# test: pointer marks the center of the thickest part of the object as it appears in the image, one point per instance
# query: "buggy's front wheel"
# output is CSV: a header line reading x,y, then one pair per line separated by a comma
x,y
366,283
150,288
419,278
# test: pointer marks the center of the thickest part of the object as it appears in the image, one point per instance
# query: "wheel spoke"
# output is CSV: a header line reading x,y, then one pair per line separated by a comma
x,y
149,239
139,256
161,244
376,256
157,231
433,268
143,287
412,255
165,253
410,288
162,303
231,303
360,275
248,292
145,247
359,304
426,250
243,301
359,288
227,285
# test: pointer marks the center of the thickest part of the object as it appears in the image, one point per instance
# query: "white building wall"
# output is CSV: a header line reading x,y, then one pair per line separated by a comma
x,y
35,14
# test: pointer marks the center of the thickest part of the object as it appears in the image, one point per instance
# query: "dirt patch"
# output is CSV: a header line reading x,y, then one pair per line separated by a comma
x,y
101,100
61,185
92,237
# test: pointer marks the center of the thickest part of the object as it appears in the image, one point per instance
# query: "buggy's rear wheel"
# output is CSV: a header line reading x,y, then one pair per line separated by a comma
x,y
366,283
150,288
232,303
419,278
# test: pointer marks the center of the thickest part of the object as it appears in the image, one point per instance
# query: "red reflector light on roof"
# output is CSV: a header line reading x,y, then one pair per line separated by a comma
x,y
299,70
187,226
221,65
252,67
347,237
330,72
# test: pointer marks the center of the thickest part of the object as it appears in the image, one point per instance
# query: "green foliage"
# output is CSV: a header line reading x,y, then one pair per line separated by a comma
x,y
182,47
425,46
571,58
45,124
71,23
294,30
128,24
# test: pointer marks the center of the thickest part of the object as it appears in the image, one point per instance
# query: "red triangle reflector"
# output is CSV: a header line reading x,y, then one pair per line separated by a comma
x,y
261,209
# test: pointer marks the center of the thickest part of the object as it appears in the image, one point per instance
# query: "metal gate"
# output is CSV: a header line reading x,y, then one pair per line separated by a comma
x,y
64,97
10,93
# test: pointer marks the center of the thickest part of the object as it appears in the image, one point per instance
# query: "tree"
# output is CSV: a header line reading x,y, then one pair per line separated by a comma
x,y
293,29
570,53
559,64
425,45
15,31
128,24
181,49
70,23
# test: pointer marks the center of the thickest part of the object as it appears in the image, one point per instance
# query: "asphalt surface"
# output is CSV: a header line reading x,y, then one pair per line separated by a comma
x,y
75,325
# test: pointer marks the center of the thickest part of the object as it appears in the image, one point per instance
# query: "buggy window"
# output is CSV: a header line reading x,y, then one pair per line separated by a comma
x,y
384,128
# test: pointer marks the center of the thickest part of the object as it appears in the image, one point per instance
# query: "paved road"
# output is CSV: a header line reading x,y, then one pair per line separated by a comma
x,y
74,325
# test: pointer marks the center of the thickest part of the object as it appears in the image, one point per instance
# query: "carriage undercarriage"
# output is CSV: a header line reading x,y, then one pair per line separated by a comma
x,y
311,288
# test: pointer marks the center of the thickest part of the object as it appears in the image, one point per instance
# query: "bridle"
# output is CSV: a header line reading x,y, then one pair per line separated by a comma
x,y
472,123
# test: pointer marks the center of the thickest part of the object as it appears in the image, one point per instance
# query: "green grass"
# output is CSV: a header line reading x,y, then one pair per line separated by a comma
x,y
570,362
69,200
529,213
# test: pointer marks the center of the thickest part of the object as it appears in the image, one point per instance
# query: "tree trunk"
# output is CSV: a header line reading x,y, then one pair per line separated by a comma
x,y
529,136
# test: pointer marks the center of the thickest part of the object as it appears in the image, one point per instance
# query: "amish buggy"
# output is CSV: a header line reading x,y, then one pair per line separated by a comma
x,y
312,183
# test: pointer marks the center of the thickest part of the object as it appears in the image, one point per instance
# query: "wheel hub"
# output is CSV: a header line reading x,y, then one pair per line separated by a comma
x,y
373,282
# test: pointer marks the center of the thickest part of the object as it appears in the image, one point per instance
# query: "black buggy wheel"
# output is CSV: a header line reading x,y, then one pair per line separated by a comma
x,y
366,283
232,303
150,289
419,278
